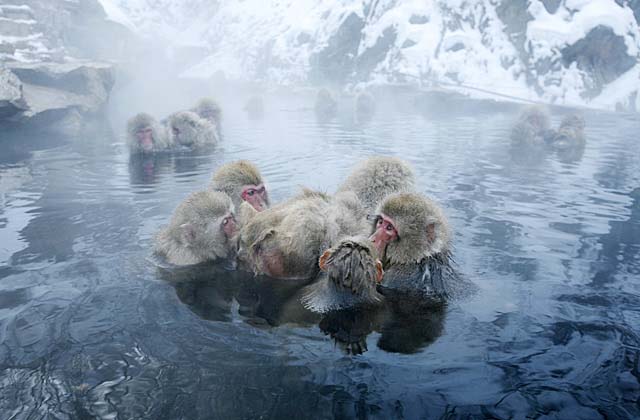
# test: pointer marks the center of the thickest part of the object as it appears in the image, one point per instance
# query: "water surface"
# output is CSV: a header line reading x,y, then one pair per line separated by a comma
x,y
90,328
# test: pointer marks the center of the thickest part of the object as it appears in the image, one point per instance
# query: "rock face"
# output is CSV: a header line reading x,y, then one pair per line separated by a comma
x,y
52,71
11,96
51,95
563,52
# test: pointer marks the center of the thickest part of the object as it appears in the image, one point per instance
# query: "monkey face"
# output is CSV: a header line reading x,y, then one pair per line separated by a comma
x,y
385,232
228,225
145,138
256,195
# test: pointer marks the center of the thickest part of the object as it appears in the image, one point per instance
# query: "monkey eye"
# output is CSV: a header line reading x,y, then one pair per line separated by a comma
x,y
251,192
389,226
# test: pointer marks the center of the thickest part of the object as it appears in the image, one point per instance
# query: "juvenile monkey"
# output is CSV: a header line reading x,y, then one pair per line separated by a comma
x,y
376,177
326,107
201,229
146,135
188,129
241,181
532,129
350,274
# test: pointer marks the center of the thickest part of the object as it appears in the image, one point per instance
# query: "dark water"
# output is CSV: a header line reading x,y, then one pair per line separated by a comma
x,y
90,328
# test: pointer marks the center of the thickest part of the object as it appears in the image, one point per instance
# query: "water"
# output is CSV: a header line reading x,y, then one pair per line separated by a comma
x,y
90,328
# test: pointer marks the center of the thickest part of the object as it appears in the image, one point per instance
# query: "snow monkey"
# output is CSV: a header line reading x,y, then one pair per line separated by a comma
x,y
254,107
188,129
410,236
201,229
326,107
570,133
146,135
349,277
533,128
241,181
287,240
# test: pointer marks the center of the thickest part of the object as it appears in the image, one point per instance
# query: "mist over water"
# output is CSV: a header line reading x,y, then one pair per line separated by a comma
x,y
91,328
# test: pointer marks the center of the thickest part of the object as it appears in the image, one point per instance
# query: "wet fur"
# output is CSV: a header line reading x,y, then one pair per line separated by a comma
x,y
231,177
194,132
204,211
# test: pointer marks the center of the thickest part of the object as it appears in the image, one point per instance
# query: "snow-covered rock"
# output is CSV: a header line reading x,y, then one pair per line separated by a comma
x,y
565,52
11,96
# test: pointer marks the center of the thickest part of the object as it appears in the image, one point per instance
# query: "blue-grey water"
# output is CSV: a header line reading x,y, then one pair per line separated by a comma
x,y
91,328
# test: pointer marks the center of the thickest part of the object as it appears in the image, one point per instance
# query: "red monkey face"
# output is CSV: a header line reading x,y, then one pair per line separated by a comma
x,y
145,138
256,195
385,232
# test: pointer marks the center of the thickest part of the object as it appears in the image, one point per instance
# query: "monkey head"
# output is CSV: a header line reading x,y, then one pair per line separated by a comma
x,y
408,228
570,133
242,181
205,224
145,135
185,127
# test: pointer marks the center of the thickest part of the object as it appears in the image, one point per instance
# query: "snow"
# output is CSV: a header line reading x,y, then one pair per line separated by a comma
x,y
458,44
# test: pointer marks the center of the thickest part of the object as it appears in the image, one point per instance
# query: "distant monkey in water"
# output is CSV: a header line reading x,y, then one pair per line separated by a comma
x,y
187,129
570,133
326,107
365,106
209,110
533,128
146,135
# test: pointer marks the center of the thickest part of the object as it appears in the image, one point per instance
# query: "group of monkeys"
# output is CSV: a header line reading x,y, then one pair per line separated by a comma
x,y
375,233
195,128
533,130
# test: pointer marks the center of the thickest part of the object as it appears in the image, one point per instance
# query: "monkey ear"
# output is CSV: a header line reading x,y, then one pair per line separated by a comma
x,y
322,262
187,233
379,272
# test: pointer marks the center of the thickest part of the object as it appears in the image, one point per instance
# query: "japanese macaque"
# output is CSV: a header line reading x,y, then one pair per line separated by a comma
x,y
326,107
532,129
411,238
201,229
146,135
188,129
241,181
365,106
349,277
255,107
209,110
286,240
570,134
376,177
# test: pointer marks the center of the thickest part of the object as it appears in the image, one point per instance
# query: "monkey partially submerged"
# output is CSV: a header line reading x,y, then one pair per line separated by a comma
x,y
201,229
241,181
326,107
286,240
411,238
187,129
146,135
533,128
350,274
570,133
365,107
